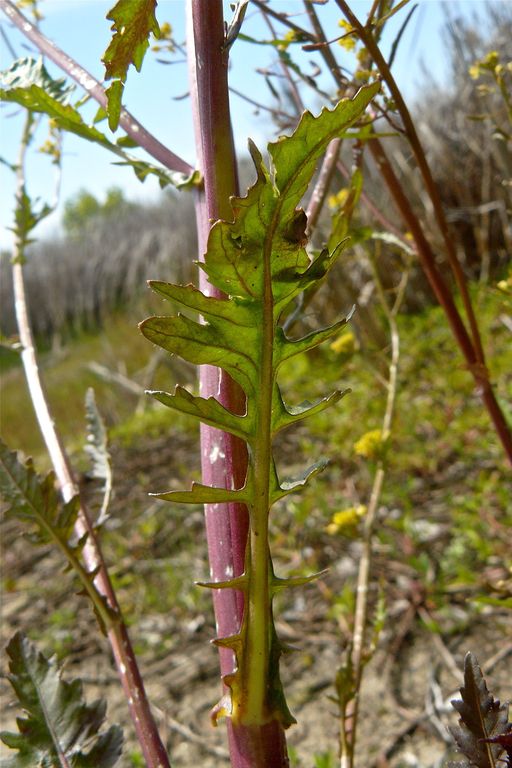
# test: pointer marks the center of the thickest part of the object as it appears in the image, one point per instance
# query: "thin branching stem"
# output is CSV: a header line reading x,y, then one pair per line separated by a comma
x,y
473,356
284,19
443,295
133,128
368,40
102,592
350,717
274,111
294,91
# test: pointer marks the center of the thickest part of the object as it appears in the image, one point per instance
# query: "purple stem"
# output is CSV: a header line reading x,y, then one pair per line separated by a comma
x,y
223,457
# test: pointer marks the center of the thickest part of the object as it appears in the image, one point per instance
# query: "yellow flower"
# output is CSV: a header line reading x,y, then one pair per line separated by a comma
x,y
363,74
345,344
491,60
348,41
165,31
370,444
346,520
474,71
339,199
505,285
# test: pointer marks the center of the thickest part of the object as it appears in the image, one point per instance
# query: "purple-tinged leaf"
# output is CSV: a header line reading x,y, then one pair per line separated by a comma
x,y
59,728
483,720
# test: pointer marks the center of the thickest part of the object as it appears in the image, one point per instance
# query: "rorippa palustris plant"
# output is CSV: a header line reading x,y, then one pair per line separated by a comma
x,y
256,263
257,259
260,263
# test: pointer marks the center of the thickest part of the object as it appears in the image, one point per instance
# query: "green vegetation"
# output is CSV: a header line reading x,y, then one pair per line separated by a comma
x,y
413,510
84,208
442,444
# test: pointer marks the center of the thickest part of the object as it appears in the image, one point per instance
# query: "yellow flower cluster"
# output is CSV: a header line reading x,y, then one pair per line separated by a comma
x,y
370,444
348,41
338,200
490,63
344,344
346,520
506,285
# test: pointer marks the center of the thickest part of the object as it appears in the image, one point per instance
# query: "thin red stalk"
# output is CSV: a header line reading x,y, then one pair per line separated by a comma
x,y
444,296
470,345
224,458
81,76
373,49
144,724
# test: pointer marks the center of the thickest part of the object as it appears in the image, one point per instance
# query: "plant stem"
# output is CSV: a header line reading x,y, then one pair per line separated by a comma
x,y
350,718
86,81
145,727
443,295
373,49
223,457
471,345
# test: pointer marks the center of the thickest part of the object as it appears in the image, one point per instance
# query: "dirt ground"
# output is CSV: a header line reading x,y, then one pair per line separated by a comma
x,y
408,683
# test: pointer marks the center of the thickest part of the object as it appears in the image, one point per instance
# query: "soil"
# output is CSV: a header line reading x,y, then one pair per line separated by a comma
x,y
408,683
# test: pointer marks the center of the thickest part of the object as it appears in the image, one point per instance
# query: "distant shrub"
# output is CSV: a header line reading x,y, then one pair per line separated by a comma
x,y
75,282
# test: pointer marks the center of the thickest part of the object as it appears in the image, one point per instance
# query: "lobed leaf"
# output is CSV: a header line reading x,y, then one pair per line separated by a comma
x,y
209,411
28,83
35,501
59,728
134,21
482,719
205,494
26,218
258,260
26,72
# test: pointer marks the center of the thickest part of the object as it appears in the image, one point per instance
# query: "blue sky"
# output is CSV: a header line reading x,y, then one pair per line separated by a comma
x,y
80,27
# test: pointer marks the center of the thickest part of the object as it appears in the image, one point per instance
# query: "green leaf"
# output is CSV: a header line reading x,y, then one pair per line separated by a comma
x,y
27,217
204,494
134,21
26,72
143,169
200,344
290,414
45,95
190,297
114,94
35,501
59,728
28,83
481,718
293,484
209,411
258,260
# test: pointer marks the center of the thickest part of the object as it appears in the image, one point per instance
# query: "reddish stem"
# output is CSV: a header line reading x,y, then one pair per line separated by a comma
x,y
444,296
223,457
